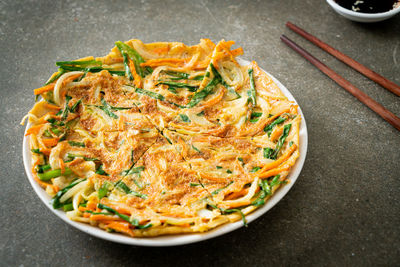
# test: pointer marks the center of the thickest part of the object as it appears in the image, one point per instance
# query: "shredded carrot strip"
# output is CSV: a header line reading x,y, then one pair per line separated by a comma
x,y
228,44
136,77
164,61
43,118
237,52
120,227
161,50
50,106
293,109
44,89
276,133
258,126
71,78
101,217
63,93
236,195
62,165
210,177
215,99
121,208
45,151
34,129
277,162
91,205
184,147
273,172
50,142
121,123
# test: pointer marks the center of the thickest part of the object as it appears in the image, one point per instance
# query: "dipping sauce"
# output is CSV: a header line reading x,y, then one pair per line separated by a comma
x,y
369,6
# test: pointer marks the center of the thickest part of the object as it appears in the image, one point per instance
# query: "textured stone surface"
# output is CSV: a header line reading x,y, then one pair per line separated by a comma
x,y
344,208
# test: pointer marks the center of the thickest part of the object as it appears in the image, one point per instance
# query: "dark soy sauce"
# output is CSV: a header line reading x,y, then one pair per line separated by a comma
x,y
368,6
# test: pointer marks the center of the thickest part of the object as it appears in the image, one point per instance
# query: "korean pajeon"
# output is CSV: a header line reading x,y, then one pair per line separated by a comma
x,y
161,138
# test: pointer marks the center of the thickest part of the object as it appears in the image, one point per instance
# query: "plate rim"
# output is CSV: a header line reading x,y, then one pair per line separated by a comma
x,y
180,239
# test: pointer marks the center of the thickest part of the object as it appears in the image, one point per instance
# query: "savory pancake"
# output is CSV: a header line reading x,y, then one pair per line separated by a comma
x,y
162,138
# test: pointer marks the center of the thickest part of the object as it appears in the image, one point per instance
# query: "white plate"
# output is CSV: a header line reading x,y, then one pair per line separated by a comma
x,y
173,240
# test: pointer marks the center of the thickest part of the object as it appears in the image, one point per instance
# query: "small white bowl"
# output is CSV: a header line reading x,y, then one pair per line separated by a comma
x,y
362,17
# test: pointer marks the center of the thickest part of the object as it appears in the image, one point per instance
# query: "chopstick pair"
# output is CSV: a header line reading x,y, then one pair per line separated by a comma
x,y
360,95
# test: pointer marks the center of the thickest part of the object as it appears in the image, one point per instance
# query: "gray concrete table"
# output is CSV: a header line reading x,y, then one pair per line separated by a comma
x,y
344,208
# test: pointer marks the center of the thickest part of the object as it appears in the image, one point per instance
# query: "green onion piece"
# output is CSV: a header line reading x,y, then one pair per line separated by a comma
x,y
78,144
198,78
180,75
219,167
133,170
208,89
68,207
255,116
66,109
101,171
275,181
267,152
107,109
220,189
128,72
193,184
268,129
191,88
134,222
121,185
184,118
228,171
172,90
252,92
83,63
103,191
55,131
255,169
55,201
36,150
229,211
47,133
281,141
266,190
196,149
60,72
150,94
169,141
74,107
46,176
42,168
135,57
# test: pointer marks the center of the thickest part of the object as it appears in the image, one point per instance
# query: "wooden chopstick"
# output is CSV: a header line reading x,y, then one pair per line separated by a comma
x,y
391,86
360,95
